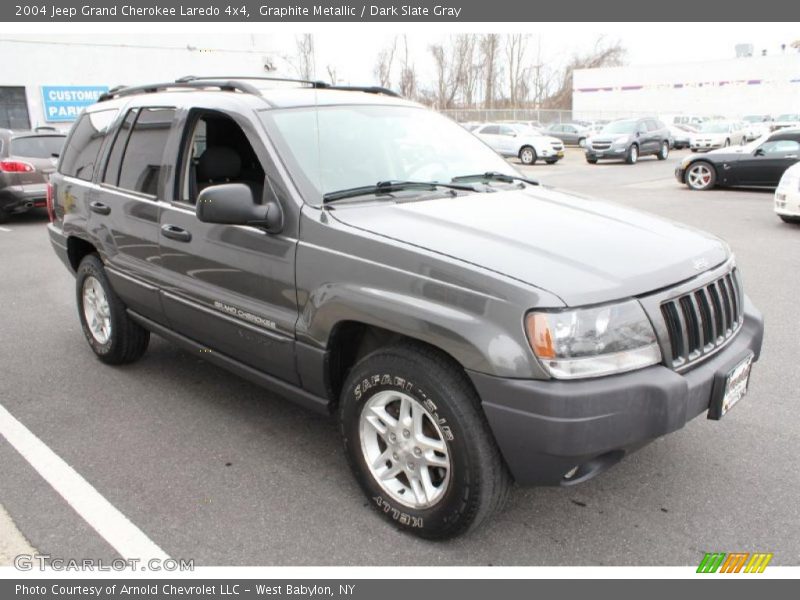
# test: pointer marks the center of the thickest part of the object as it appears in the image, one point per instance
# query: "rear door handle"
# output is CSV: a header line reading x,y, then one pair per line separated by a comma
x,y
174,232
99,208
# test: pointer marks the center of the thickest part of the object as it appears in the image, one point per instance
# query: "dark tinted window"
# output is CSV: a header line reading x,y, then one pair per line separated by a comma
x,y
118,148
491,130
37,146
141,165
83,144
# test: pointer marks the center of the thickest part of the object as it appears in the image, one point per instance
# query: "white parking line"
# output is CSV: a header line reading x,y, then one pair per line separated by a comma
x,y
110,523
5,229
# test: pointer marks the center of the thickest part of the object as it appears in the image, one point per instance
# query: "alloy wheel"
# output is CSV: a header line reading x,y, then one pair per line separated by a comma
x,y
699,177
96,310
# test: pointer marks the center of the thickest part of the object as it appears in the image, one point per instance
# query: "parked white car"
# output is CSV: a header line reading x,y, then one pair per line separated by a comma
x,y
785,121
521,142
787,195
717,134
756,126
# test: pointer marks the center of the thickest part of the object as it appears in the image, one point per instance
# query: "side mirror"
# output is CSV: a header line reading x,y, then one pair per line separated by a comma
x,y
759,152
233,204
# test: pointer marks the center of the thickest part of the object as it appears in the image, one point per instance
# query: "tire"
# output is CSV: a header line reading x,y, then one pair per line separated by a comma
x,y
527,155
663,154
113,336
591,161
582,142
700,176
4,216
632,155
475,482
551,161
791,220
694,149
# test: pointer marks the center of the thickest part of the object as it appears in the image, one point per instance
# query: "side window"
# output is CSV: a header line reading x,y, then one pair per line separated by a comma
x,y
653,125
83,144
780,146
505,130
216,151
569,128
144,152
641,127
491,130
111,174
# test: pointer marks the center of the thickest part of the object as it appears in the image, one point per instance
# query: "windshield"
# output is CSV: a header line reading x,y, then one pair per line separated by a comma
x,y
715,127
526,129
755,118
334,148
789,117
37,146
620,127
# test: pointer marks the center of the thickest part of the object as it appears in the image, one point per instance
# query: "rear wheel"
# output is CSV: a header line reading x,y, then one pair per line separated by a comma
x,y
418,443
700,176
528,155
633,155
582,142
591,161
663,154
113,336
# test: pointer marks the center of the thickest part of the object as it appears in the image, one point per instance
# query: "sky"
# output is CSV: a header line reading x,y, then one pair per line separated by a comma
x,y
354,56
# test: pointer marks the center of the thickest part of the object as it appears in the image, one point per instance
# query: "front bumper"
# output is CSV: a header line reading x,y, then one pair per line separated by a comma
x,y
680,174
787,203
610,153
16,199
546,428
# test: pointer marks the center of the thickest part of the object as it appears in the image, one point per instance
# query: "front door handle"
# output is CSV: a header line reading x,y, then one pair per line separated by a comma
x,y
99,208
174,232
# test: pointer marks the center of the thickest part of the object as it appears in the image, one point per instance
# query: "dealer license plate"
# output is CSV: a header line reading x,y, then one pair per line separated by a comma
x,y
735,385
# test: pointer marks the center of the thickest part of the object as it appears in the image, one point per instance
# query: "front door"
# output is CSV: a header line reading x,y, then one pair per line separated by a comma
x,y
229,287
765,166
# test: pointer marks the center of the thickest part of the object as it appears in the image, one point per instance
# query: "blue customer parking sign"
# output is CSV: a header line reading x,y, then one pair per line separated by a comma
x,y
63,103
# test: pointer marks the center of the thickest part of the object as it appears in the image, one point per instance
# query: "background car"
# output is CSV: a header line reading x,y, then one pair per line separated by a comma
x,y
26,160
681,135
533,124
717,134
572,134
629,139
787,196
785,121
471,125
756,126
521,142
694,120
758,164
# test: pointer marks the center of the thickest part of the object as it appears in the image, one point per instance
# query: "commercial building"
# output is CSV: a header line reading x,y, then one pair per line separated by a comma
x,y
735,87
47,79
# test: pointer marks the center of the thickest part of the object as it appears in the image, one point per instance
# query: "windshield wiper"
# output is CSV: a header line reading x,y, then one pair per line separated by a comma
x,y
495,176
387,187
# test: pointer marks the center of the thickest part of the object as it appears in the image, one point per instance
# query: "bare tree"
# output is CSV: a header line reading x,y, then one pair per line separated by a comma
x,y
489,51
332,74
516,50
467,70
304,61
602,55
383,64
408,74
540,77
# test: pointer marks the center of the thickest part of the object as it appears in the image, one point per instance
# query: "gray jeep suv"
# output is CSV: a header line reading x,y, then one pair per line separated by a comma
x,y
369,258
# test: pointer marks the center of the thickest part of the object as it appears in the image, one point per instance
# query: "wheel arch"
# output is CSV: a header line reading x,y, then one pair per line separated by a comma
x,y
77,250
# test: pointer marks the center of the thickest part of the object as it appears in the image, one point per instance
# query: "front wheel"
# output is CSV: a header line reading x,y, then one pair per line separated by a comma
x,y
700,176
551,161
113,336
663,154
418,443
633,155
591,161
528,155
792,220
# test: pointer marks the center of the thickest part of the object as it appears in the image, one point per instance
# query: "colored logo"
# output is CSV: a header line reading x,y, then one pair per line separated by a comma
x,y
734,562
63,104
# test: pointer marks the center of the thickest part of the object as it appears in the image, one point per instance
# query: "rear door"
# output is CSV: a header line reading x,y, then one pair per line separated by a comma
x,y
229,287
125,207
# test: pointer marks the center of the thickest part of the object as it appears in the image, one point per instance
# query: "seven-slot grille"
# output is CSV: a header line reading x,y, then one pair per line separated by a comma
x,y
601,145
704,319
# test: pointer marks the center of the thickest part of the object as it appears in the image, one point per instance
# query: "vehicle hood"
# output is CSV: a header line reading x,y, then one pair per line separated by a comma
x,y
610,137
583,250
540,139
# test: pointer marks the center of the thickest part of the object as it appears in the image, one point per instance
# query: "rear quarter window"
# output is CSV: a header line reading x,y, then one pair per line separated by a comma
x,y
83,145
37,146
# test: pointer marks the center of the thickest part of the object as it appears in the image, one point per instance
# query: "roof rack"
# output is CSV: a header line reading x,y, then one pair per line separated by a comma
x,y
231,84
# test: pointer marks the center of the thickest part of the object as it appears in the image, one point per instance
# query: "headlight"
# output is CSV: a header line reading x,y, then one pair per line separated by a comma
x,y
591,342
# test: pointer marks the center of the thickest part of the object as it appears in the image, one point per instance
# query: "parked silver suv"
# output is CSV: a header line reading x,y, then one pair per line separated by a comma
x,y
370,259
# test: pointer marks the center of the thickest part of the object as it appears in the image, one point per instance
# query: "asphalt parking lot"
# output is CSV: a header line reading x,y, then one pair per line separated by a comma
x,y
215,469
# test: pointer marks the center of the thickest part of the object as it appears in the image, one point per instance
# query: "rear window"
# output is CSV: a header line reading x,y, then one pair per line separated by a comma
x,y
83,144
37,146
144,152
